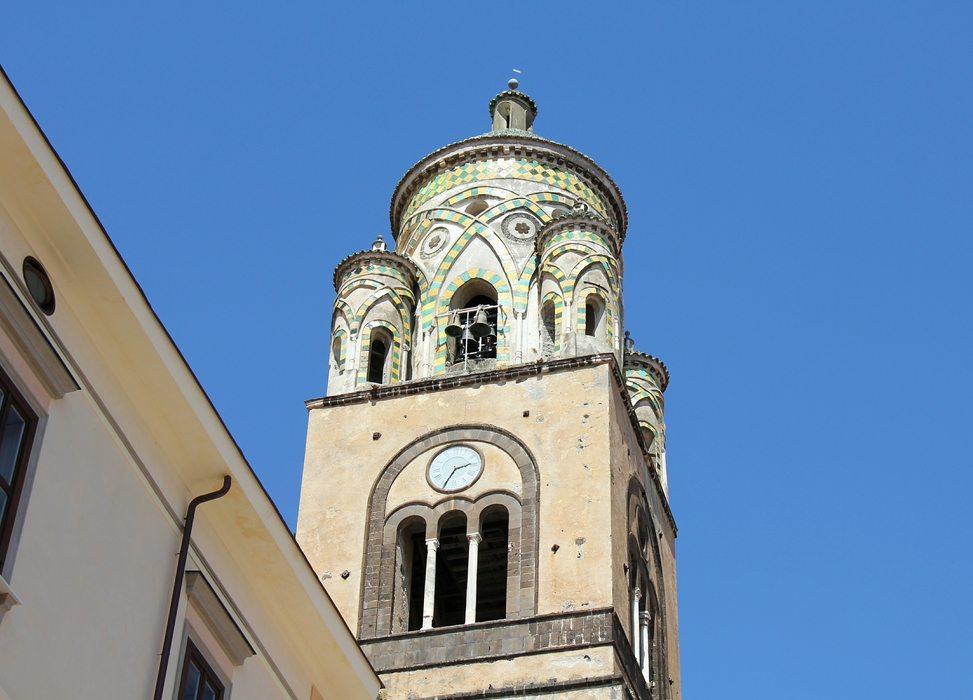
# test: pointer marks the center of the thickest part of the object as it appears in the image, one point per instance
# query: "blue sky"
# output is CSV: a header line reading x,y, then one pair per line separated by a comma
x,y
799,178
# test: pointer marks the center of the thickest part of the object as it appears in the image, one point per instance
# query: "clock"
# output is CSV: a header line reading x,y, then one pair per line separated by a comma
x,y
455,468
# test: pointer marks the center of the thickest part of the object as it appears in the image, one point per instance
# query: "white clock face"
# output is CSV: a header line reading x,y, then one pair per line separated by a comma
x,y
455,468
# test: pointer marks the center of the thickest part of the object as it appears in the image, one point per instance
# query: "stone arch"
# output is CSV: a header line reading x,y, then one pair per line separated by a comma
x,y
379,564
607,324
393,358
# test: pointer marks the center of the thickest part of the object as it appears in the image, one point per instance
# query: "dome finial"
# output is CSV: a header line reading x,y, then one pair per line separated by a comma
x,y
513,83
379,245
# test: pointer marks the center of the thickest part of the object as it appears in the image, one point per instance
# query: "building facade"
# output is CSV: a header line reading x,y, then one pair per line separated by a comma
x,y
485,490
106,438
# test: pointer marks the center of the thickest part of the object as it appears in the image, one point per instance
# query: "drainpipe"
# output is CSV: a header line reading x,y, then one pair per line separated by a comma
x,y
187,533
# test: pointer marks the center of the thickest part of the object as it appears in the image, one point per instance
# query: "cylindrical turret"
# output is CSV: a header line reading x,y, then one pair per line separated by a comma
x,y
579,285
646,379
371,328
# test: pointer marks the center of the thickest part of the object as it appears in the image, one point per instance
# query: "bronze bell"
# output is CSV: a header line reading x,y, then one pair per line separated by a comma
x,y
481,327
454,330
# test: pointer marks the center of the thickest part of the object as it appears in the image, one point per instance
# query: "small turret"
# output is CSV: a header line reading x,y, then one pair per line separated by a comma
x,y
512,109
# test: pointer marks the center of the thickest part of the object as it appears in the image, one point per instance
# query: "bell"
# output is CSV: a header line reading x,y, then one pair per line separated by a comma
x,y
481,327
454,330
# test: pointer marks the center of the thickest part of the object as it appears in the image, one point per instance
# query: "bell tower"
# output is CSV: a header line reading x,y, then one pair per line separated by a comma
x,y
485,492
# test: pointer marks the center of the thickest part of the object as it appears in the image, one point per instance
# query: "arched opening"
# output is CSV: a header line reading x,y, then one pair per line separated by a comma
x,y
410,576
452,562
491,578
379,343
594,317
336,353
475,341
548,330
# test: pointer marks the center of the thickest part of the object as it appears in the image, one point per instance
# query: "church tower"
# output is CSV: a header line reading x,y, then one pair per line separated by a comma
x,y
485,492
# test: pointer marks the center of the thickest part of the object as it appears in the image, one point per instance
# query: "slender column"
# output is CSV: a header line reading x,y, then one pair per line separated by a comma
x,y
519,355
429,589
636,637
475,540
646,621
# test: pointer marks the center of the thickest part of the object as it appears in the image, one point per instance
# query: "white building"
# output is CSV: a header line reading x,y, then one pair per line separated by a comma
x,y
105,438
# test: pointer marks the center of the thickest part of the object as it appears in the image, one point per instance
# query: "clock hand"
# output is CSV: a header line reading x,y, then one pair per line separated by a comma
x,y
453,472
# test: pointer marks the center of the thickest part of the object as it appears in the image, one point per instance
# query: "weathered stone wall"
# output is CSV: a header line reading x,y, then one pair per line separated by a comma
x,y
566,431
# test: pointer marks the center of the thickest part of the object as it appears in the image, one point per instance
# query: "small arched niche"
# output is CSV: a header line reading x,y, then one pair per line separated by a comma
x,y
477,207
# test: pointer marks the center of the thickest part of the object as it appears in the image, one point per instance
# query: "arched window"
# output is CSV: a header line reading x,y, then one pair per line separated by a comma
x,y
431,562
452,561
491,573
594,317
473,305
379,343
646,622
336,353
548,330
410,576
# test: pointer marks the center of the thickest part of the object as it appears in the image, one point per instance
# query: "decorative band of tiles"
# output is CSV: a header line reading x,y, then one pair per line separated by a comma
x,y
501,168
385,270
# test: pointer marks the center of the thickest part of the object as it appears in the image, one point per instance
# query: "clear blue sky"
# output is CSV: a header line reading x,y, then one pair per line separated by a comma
x,y
799,178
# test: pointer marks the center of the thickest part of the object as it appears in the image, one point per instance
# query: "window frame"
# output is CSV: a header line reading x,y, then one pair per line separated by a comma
x,y
9,518
193,654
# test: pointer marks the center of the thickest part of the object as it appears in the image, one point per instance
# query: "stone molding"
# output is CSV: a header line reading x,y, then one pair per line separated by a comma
x,y
375,257
217,619
8,598
640,360
492,641
489,641
379,579
37,351
516,94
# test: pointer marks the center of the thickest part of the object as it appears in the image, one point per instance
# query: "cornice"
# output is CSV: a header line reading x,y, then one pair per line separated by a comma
x,y
637,358
366,257
503,143
517,95
417,387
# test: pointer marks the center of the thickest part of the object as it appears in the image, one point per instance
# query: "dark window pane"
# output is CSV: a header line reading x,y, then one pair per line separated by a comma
x,y
36,287
209,693
192,683
13,431
3,504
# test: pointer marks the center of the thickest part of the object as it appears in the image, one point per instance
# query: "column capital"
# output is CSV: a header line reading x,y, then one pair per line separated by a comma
x,y
432,544
475,538
638,591
646,616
